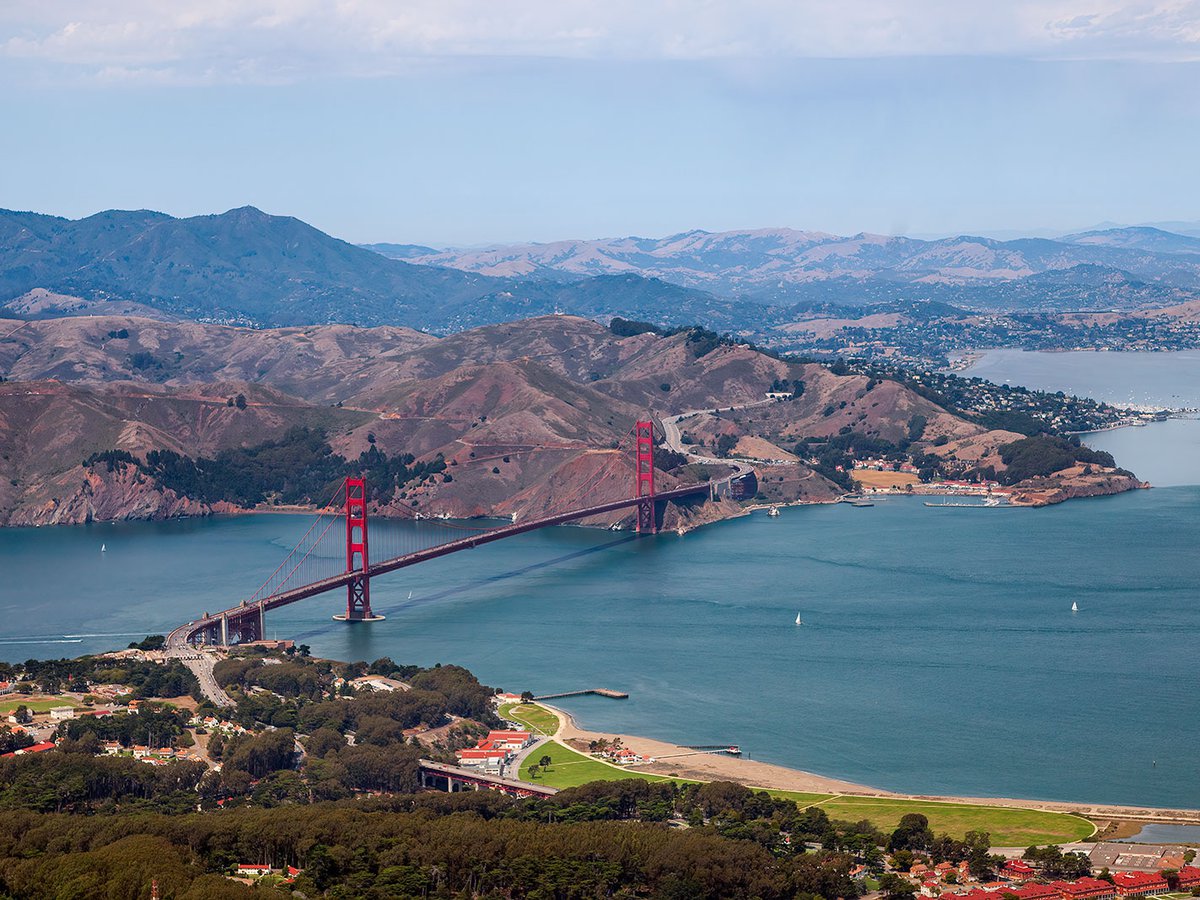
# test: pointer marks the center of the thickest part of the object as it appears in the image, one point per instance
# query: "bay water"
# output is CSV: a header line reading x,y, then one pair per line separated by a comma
x,y
938,654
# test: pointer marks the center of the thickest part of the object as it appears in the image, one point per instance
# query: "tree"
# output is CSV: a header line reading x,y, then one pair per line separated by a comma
x,y
533,772
545,762
240,401
895,887
911,834
526,696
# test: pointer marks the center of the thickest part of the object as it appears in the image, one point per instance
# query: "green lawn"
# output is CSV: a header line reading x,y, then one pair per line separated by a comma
x,y
1008,827
799,797
571,769
536,718
37,706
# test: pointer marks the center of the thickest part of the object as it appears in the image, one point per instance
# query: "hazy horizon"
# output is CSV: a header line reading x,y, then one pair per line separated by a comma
x,y
455,125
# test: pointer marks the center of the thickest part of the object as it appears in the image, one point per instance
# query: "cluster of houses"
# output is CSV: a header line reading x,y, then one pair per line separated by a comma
x,y
1020,882
154,756
217,726
491,753
1123,884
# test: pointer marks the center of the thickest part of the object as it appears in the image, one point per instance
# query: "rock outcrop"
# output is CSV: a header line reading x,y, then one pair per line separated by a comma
x,y
1073,483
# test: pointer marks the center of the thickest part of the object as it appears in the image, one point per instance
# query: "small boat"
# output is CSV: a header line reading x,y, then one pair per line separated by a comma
x,y
410,595
103,548
798,622
1074,607
862,501
773,511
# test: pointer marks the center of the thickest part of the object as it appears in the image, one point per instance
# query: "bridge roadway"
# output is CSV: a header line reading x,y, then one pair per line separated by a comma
x,y
470,778
179,639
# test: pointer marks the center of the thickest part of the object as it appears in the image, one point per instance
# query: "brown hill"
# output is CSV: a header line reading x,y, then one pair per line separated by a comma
x,y
527,414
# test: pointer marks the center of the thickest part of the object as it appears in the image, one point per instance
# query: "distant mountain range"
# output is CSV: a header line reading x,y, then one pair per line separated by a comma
x,y
767,264
247,267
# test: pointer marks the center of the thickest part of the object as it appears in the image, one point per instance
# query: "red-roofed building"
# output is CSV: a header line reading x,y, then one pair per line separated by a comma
x,y
973,894
509,740
1189,877
35,748
1139,884
1085,888
481,753
1034,892
1018,870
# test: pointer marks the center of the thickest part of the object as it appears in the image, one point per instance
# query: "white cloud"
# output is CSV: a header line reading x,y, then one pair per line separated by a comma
x,y
267,40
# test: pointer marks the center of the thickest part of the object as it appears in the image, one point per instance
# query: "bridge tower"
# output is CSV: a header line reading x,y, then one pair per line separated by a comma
x,y
643,485
358,590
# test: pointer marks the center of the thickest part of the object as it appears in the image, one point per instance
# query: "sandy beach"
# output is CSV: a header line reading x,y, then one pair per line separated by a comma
x,y
672,759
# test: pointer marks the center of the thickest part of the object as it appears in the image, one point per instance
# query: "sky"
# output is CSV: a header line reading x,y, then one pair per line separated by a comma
x,y
459,122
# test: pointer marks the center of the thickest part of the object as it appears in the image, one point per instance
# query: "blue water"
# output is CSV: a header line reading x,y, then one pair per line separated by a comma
x,y
1166,834
938,654
1151,379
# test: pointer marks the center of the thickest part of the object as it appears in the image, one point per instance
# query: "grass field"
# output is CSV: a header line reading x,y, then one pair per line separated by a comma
x,y
536,718
871,478
800,798
570,769
37,706
1008,827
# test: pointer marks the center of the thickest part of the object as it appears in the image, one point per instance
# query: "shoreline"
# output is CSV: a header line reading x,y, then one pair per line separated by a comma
x,y
699,766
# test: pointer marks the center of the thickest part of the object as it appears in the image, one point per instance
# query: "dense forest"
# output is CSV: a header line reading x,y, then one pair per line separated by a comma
x,y
300,467
326,779
605,839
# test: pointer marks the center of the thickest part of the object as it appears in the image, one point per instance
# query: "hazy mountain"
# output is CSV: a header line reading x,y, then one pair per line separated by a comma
x,y
1080,287
400,251
767,262
1138,238
247,267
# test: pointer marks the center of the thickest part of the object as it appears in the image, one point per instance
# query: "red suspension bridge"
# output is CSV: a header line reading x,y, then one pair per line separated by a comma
x,y
311,569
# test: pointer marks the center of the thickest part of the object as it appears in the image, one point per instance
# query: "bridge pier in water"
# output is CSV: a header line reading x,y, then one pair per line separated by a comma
x,y
358,590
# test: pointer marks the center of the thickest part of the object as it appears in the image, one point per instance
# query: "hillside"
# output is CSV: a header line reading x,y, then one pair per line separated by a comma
x,y
247,267
508,419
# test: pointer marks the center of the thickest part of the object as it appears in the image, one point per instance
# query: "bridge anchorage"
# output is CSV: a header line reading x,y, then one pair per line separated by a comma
x,y
313,567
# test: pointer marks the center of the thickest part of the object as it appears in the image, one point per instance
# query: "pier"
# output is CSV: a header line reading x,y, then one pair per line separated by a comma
x,y
601,692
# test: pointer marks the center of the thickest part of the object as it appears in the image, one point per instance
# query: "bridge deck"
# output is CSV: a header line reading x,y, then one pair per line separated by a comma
x,y
181,635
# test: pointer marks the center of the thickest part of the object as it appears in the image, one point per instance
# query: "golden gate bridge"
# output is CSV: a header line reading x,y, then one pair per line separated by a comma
x,y
311,568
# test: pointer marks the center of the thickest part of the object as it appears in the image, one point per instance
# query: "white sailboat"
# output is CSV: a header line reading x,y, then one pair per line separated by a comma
x,y
103,548
410,595
798,622
773,511
1074,607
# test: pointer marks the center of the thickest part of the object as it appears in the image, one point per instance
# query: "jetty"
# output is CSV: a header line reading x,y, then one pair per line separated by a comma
x,y
601,692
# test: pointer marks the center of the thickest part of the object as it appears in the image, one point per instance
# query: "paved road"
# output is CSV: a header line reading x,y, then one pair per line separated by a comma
x,y
201,665
673,438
